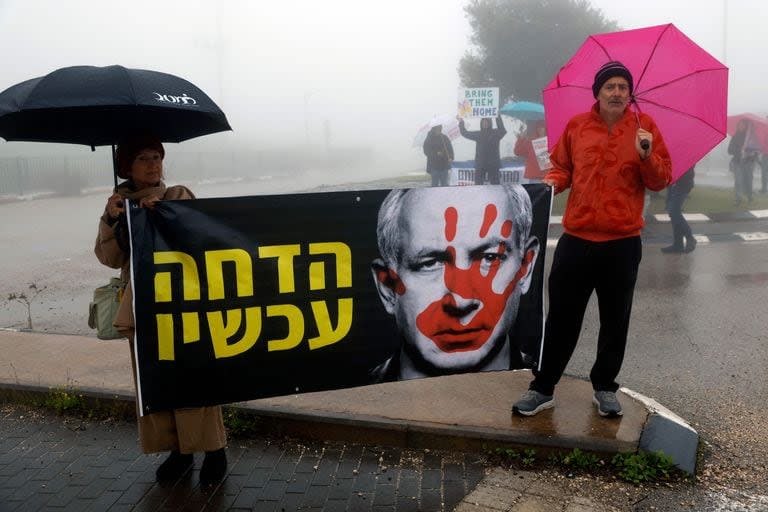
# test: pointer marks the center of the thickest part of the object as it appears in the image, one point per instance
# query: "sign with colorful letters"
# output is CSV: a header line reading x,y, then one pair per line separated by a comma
x,y
478,102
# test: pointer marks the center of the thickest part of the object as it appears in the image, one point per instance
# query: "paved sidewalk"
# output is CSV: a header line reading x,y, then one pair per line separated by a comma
x,y
461,412
50,463
458,411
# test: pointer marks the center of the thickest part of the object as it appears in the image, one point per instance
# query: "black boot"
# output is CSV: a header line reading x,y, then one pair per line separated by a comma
x,y
677,245
214,467
690,243
174,466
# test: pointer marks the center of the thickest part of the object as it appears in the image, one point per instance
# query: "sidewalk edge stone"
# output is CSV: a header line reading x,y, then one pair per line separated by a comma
x,y
668,432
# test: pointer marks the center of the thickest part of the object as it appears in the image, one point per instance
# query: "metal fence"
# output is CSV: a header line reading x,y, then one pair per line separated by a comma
x,y
72,174
22,176
68,175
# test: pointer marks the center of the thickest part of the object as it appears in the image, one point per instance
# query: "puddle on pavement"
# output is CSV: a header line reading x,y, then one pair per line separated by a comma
x,y
663,280
755,279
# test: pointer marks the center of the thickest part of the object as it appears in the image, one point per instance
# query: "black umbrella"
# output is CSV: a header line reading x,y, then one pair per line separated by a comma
x,y
99,106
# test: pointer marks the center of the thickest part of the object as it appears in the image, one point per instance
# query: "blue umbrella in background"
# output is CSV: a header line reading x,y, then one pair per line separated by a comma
x,y
524,110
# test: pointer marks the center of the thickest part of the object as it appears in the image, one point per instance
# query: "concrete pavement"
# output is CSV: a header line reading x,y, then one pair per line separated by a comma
x,y
461,412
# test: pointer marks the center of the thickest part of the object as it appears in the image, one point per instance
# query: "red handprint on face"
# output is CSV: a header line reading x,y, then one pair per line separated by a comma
x,y
465,317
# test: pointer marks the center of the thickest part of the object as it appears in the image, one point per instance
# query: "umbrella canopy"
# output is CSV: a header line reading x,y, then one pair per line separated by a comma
x,y
757,137
99,106
676,82
450,128
524,110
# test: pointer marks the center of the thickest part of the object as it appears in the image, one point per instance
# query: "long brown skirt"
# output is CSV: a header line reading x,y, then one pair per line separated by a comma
x,y
198,429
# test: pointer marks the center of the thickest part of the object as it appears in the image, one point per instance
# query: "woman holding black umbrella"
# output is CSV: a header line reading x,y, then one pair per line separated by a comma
x,y
180,431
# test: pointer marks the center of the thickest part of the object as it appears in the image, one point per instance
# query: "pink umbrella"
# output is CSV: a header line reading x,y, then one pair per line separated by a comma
x,y
677,83
758,135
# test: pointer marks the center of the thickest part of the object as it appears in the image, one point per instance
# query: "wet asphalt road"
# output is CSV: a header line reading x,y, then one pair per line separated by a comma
x,y
697,339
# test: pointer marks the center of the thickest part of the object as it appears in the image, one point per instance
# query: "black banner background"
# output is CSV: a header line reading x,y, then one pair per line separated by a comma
x,y
195,377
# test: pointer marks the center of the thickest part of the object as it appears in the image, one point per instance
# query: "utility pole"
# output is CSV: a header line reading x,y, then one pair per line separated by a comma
x,y
725,32
307,94
220,55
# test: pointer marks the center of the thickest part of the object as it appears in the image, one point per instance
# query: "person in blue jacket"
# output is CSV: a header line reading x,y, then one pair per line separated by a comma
x,y
683,240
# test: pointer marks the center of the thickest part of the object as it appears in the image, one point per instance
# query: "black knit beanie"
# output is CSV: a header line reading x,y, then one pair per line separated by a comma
x,y
608,71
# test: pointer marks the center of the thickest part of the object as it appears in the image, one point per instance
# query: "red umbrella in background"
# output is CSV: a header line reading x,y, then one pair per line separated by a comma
x,y
677,83
757,138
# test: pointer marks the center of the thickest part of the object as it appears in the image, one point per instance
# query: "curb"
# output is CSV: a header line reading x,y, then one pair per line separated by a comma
x,y
668,432
662,429
121,405
466,412
300,423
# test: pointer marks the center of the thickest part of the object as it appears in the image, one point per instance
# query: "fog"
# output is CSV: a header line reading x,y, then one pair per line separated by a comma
x,y
288,74
733,31
306,77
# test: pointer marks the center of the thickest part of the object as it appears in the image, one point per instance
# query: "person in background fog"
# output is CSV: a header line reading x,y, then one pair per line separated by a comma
x,y
524,148
487,155
677,193
439,152
743,159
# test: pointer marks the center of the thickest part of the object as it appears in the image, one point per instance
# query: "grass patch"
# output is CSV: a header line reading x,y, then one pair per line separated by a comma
x,y
636,468
241,424
65,401
700,200
710,200
577,459
642,467
70,402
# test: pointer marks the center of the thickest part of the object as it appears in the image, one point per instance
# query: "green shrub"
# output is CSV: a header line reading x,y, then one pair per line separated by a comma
x,y
502,451
580,460
643,467
241,424
65,401
529,457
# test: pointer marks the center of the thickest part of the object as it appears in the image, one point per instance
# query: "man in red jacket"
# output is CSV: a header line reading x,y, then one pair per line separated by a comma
x,y
607,157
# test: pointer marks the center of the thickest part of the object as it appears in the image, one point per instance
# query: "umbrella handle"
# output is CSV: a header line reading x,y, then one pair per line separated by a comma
x,y
644,144
114,166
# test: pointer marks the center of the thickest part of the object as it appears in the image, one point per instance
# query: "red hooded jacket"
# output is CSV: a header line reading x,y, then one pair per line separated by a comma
x,y
606,175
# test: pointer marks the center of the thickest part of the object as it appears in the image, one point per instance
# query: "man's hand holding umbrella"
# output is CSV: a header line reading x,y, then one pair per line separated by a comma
x,y
644,143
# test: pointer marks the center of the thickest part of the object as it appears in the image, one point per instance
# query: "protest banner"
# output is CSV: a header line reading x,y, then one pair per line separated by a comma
x,y
463,173
250,297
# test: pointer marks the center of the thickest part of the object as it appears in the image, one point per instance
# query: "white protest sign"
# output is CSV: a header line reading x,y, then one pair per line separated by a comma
x,y
542,155
478,102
